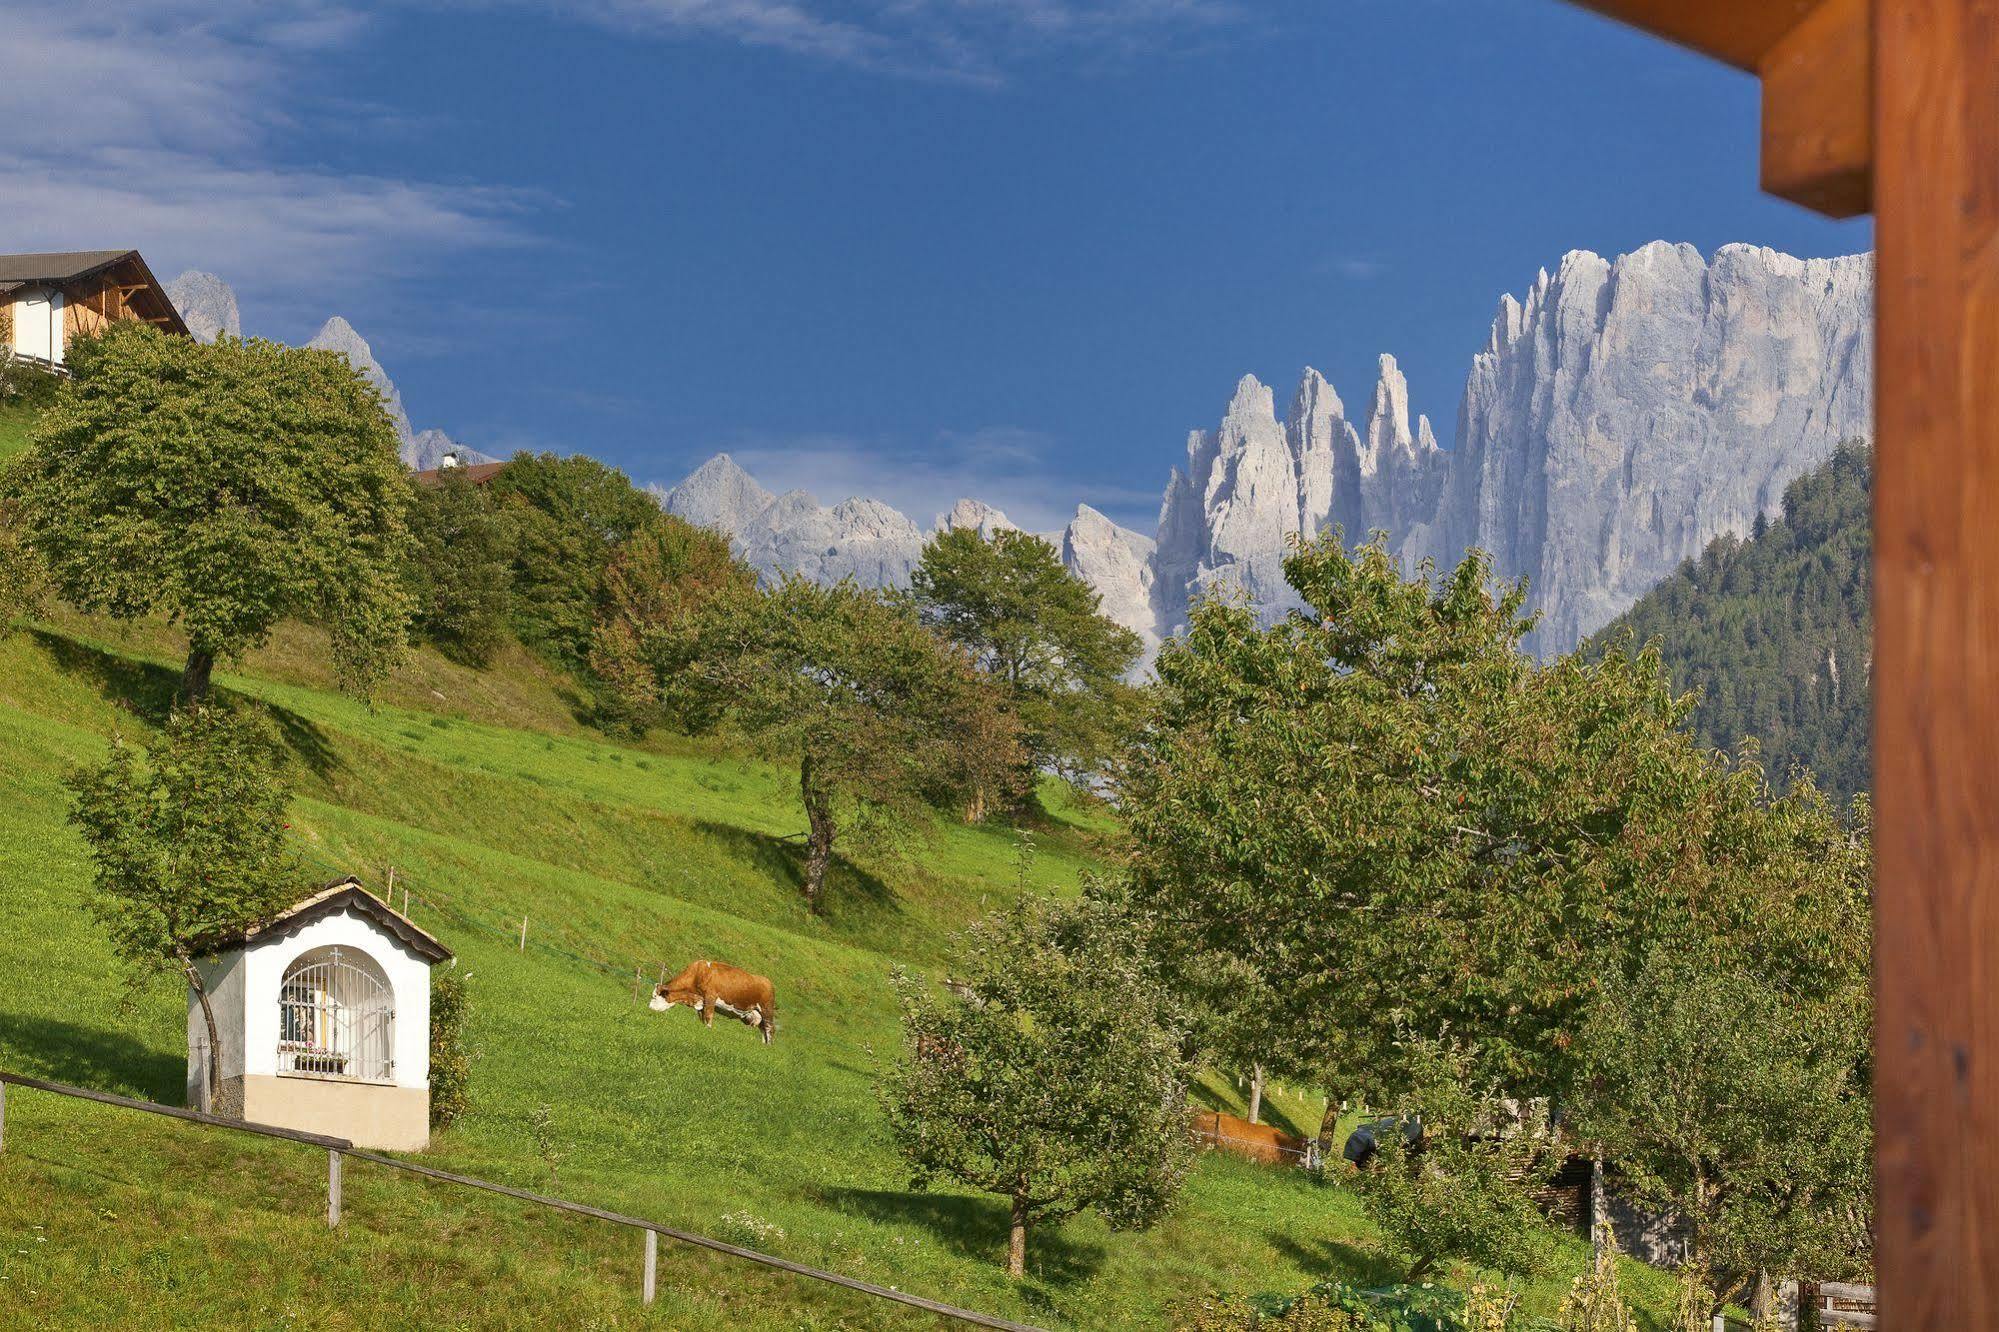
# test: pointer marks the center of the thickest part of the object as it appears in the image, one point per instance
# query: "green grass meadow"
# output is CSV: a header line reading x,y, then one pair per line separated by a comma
x,y
492,804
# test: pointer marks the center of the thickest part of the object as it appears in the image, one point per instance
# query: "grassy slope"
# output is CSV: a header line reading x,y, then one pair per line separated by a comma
x,y
14,422
485,794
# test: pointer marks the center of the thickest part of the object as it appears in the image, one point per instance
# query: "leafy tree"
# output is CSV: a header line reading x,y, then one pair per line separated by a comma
x,y
1037,629
1773,635
190,848
568,516
226,486
1385,810
1465,1190
24,588
658,579
1742,1112
842,680
1052,1077
461,569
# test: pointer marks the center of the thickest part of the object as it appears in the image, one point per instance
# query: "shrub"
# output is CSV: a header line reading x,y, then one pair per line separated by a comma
x,y
450,1057
1595,1303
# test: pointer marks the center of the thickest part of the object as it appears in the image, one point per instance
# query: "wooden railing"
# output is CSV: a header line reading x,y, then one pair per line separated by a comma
x,y
42,363
339,1149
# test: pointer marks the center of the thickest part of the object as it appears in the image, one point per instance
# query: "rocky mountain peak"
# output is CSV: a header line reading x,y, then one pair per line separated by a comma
x,y
1621,413
976,516
718,494
337,335
207,305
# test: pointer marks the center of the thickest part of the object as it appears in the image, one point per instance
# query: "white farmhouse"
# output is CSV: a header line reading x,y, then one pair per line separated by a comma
x,y
323,1018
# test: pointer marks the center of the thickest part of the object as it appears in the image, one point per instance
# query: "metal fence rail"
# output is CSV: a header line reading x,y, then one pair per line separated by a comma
x,y
339,1148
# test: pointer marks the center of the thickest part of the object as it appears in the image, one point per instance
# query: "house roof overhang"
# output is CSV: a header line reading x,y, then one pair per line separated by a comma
x,y
340,896
1814,59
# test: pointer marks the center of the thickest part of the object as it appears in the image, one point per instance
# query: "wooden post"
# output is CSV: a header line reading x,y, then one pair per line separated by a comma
x,y
651,1285
1936,663
524,934
333,1189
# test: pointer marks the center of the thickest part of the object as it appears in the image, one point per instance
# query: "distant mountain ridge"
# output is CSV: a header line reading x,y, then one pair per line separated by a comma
x,y
874,544
1621,415
208,306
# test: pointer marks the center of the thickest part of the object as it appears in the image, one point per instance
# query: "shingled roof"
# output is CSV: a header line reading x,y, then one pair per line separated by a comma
x,y
344,895
66,266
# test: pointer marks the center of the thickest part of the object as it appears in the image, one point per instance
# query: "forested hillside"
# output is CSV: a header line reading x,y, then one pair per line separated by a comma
x,y
1773,633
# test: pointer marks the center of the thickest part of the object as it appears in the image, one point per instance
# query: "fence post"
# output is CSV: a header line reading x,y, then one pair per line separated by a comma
x,y
652,1265
332,1189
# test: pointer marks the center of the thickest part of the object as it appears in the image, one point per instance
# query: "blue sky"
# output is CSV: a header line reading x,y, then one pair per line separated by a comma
x,y
912,248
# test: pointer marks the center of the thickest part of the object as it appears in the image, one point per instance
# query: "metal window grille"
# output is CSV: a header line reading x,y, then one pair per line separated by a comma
x,y
336,1018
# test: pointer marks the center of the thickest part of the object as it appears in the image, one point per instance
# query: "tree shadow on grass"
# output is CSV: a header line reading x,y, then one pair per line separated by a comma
x,y
89,1057
975,1228
142,688
147,690
1337,1260
849,889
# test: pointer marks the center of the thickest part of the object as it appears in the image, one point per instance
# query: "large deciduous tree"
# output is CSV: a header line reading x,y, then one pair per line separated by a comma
x,y
1411,832
1052,1076
1037,630
1387,811
461,569
227,487
657,581
568,517
188,847
842,680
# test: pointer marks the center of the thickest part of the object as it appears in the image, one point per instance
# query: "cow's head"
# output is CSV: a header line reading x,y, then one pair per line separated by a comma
x,y
665,997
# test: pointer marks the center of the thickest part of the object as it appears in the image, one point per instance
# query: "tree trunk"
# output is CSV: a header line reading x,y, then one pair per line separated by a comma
x,y
211,1089
1421,1266
819,841
1016,1244
1255,1093
194,676
1599,1215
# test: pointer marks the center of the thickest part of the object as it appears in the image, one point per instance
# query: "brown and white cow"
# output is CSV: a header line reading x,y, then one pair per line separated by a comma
x,y
706,986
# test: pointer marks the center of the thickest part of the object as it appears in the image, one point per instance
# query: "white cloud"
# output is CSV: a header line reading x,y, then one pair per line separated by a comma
x,y
1012,469
974,41
161,124
1353,268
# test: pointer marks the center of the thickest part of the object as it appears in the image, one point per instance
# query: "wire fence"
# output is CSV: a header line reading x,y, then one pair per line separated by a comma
x,y
339,1150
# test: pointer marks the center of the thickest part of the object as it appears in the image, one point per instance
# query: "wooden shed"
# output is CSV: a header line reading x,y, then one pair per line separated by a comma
x,y
48,299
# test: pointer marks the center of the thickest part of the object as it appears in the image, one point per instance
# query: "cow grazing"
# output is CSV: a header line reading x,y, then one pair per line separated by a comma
x,y
1258,1142
707,986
